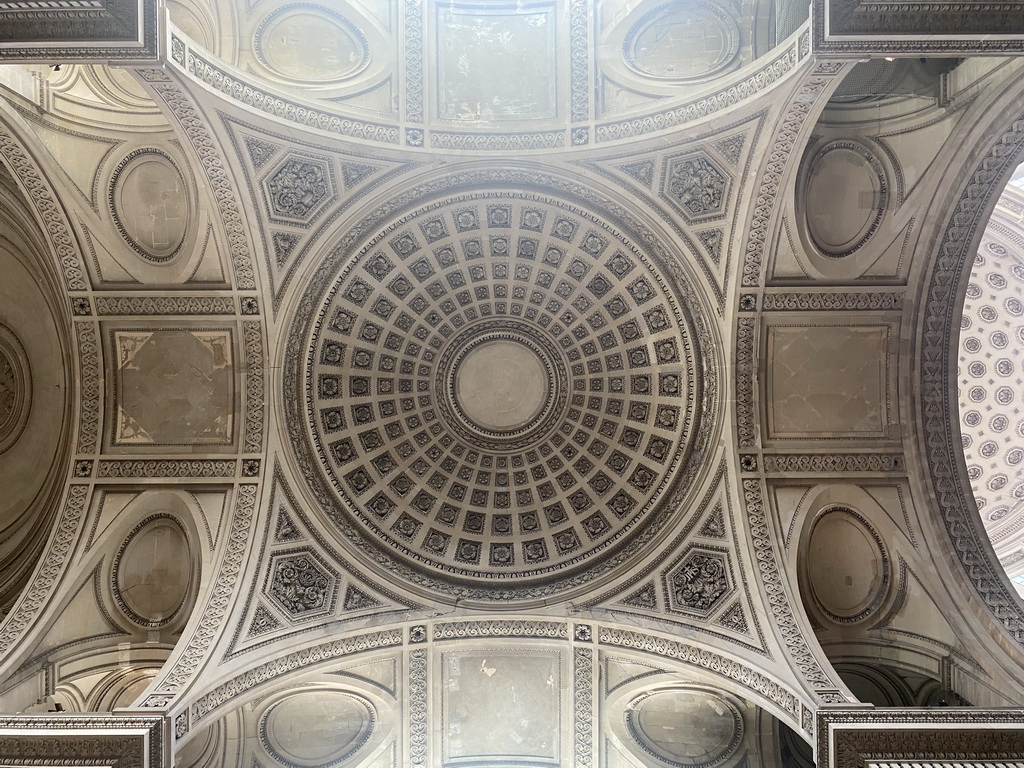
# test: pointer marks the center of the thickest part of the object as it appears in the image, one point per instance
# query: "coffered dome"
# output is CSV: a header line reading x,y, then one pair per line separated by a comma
x,y
501,387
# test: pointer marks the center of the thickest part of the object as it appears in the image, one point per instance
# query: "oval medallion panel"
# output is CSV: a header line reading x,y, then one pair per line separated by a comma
x,y
149,204
847,569
682,41
310,45
316,728
846,196
685,727
15,388
501,388
153,571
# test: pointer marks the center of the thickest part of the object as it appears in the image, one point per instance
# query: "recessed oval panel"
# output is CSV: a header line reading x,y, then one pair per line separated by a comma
x,y
311,46
153,571
846,567
685,727
845,197
149,204
316,728
690,41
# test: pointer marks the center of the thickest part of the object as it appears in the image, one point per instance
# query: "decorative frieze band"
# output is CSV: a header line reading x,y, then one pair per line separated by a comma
x,y
511,628
179,672
706,659
165,305
778,596
835,462
823,301
184,468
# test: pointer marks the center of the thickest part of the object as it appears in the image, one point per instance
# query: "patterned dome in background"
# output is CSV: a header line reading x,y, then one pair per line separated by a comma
x,y
991,376
502,388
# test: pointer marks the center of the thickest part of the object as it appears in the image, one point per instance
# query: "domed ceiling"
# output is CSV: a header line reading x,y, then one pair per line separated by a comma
x,y
501,388
991,378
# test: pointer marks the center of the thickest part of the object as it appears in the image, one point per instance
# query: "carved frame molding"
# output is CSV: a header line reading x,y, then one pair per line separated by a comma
x,y
856,27
70,31
130,741
855,738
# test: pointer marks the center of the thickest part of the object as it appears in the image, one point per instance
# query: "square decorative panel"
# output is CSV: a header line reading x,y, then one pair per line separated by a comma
x,y
172,387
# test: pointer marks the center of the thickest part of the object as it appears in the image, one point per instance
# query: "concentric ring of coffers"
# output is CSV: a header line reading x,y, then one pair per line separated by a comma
x,y
500,388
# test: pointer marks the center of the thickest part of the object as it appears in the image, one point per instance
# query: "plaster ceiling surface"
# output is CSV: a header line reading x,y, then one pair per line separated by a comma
x,y
481,383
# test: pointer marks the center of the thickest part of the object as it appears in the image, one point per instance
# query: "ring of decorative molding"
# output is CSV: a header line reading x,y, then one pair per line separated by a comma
x,y
328,16
131,162
708,13
357,714
878,591
451,380
15,388
117,566
874,215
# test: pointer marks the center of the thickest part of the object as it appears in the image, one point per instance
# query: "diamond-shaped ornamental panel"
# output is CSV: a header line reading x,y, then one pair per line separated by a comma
x,y
695,185
301,583
698,582
299,187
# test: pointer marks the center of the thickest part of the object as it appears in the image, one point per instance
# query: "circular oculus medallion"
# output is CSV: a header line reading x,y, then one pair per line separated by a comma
x,y
682,42
846,196
316,728
311,45
150,205
503,384
499,387
684,727
152,571
848,569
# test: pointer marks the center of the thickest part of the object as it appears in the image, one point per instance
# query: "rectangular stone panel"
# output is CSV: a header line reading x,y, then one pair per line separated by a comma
x,y
172,387
139,741
497,62
501,705
64,31
917,27
828,381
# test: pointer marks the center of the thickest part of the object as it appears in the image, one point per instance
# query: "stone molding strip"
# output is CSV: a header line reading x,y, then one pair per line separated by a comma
x,y
778,598
165,305
826,301
851,28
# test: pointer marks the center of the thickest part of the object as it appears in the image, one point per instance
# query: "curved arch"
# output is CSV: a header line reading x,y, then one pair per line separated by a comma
x,y
943,289
250,679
